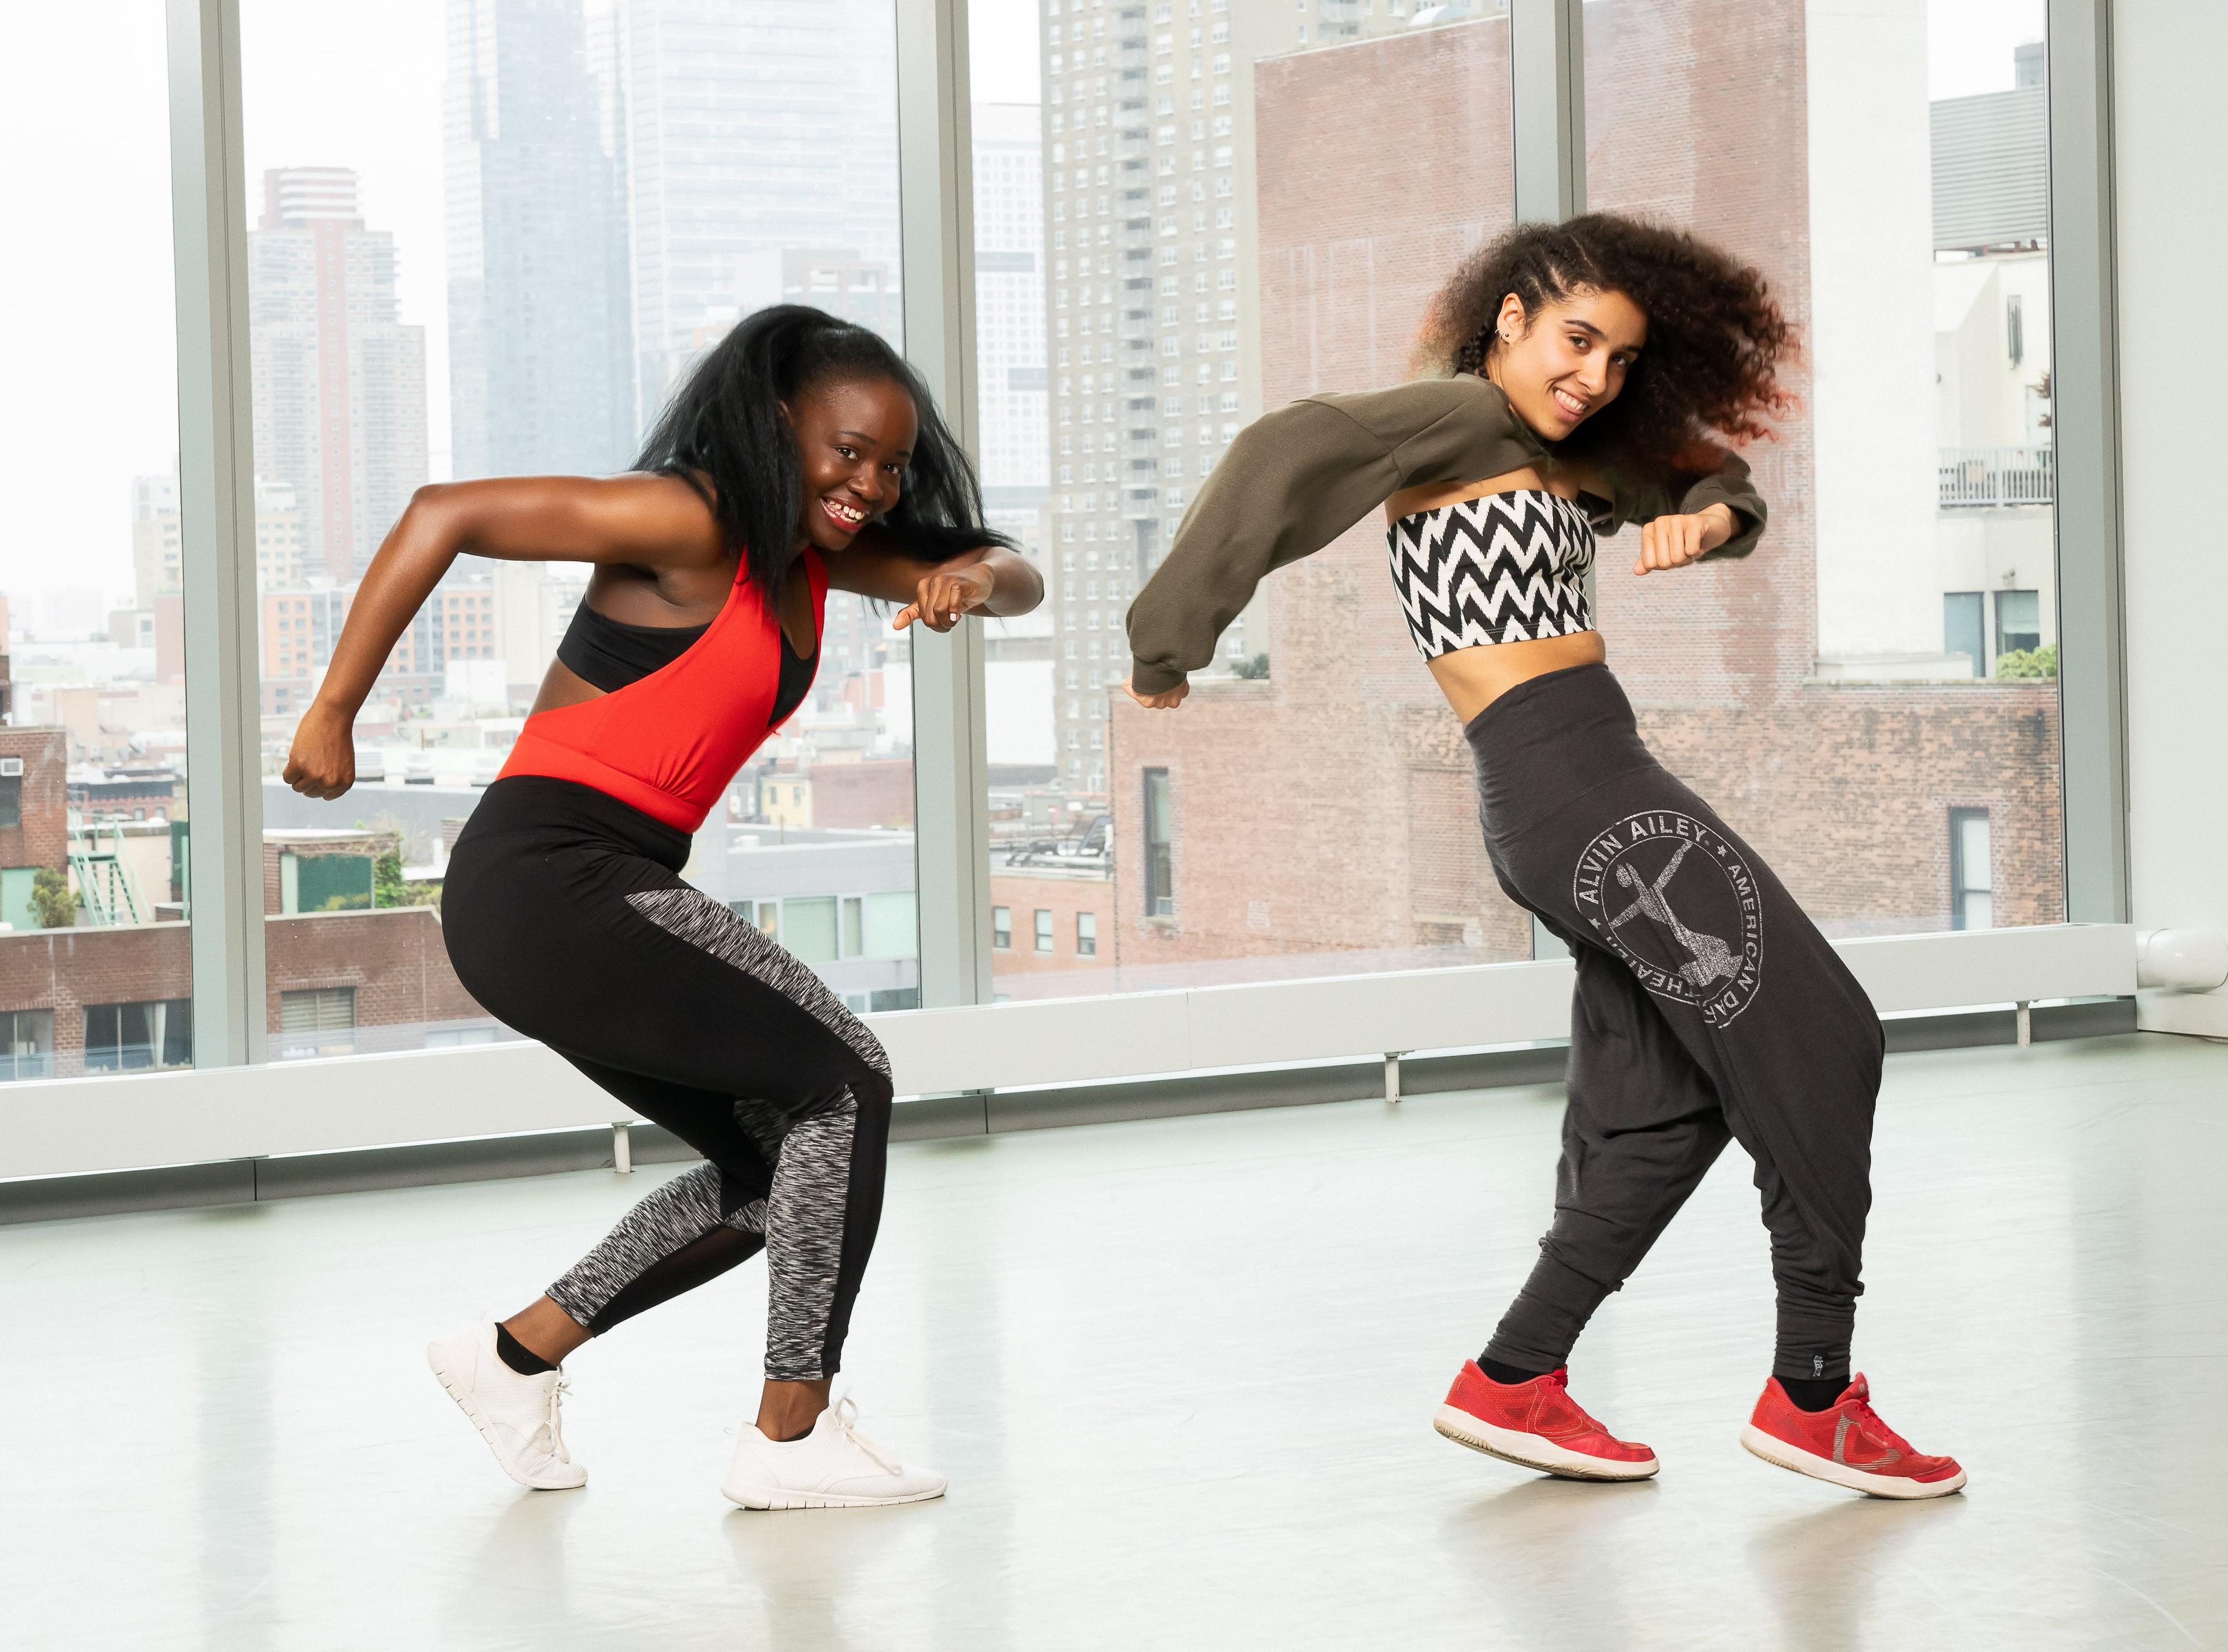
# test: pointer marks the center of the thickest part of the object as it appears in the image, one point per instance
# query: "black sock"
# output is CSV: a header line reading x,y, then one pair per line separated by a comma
x,y
1814,1394
517,1355
1505,1373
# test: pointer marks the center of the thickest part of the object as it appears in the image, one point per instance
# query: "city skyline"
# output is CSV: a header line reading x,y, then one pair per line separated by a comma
x,y
109,364
1182,177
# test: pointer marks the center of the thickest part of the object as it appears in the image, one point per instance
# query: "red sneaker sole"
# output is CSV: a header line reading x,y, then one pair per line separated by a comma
x,y
1780,1454
1530,1451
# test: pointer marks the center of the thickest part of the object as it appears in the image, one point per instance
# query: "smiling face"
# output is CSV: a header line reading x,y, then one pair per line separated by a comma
x,y
854,437
1562,366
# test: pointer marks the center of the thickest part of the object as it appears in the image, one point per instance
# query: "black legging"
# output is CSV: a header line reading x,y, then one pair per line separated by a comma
x,y
566,917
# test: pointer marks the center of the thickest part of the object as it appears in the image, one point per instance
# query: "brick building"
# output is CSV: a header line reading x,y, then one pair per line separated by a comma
x,y
853,795
91,999
127,794
344,858
74,1001
34,806
118,997
1329,808
365,981
1047,924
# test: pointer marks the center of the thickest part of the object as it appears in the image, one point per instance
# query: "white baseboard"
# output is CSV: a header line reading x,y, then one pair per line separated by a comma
x,y
2199,1015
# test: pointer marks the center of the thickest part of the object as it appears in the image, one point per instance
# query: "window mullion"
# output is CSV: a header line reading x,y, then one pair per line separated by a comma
x,y
216,503
951,772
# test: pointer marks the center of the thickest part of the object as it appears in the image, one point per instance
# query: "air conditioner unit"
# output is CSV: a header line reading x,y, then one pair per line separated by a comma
x,y
10,767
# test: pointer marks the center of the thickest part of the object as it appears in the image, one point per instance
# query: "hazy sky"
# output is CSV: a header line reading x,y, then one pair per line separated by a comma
x,y
87,321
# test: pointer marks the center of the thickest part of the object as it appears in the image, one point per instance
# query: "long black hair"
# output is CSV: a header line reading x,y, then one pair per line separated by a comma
x,y
725,425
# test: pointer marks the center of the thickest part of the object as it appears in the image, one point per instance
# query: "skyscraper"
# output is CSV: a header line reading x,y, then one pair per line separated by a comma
x,y
1009,310
154,538
540,373
751,126
1149,169
339,382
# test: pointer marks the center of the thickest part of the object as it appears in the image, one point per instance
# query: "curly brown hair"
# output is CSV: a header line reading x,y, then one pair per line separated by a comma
x,y
1716,337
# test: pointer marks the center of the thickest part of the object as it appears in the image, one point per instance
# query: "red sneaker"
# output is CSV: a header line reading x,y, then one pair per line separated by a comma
x,y
1537,1424
1847,1445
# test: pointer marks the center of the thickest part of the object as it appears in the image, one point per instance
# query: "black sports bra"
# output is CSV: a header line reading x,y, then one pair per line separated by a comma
x,y
609,654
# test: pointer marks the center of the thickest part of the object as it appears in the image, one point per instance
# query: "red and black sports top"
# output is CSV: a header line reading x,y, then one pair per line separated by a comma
x,y
668,743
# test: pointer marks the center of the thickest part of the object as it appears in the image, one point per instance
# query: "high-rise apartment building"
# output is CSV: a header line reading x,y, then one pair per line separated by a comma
x,y
749,126
541,377
298,627
1888,802
1149,203
281,560
154,538
339,381
1010,315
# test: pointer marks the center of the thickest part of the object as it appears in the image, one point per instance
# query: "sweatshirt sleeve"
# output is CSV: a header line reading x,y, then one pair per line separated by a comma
x,y
1642,498
1290,483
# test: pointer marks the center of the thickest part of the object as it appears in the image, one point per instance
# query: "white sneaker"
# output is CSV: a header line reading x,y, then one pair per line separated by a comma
x,y
516,1415
833,1467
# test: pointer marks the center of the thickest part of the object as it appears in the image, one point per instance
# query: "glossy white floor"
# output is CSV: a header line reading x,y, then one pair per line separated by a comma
x,y
1182,1375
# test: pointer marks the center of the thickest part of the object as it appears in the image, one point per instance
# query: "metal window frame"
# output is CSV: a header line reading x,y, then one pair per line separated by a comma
x,y
2085,415
1547,142
951,778
1070,1040
1547,108
216,551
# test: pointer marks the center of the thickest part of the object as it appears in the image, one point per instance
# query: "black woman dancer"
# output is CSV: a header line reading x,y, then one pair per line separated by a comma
x,y
802,453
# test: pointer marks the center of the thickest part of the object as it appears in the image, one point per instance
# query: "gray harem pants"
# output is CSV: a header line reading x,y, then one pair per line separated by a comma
x,y
1708,1009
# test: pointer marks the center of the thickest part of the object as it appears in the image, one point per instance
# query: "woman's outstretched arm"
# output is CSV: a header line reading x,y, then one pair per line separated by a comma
x,y
988,580
1292,482
650,521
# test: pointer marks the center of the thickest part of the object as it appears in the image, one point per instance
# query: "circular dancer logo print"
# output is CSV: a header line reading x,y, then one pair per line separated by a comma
x,y
1674,898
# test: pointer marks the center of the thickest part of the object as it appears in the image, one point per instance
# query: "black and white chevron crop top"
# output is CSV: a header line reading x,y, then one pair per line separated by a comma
x,y
1501,567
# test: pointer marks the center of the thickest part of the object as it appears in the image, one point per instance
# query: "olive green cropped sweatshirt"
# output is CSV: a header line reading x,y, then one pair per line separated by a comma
x,y
1297,478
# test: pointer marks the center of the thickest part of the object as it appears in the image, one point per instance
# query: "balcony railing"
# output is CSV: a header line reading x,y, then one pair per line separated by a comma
x,y
1996,476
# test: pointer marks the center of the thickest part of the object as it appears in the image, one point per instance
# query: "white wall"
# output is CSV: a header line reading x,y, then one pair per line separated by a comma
x,y
1871,333
2172,130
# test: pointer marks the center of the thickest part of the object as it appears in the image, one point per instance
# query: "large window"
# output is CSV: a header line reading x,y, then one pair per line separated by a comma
x,y
1187,213
1887,166
92,671
1208,250
489,238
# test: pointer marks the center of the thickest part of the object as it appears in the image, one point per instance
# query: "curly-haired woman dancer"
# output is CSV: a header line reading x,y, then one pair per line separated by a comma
x,y
802,453
1591,361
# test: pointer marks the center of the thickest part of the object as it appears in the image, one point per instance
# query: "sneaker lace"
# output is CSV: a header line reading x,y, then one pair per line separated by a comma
x,y
1875,1428
550,1437
846,1417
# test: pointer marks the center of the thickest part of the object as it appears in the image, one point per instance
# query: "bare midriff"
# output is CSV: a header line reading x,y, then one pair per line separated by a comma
x,y
1472,678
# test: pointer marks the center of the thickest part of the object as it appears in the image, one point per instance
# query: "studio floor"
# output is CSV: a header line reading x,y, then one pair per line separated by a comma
x,y
1181,1375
